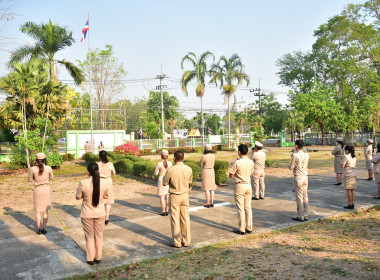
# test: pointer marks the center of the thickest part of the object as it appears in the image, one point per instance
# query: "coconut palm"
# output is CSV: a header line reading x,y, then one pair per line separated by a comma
x,y
50,39
229,74
198,74
295,122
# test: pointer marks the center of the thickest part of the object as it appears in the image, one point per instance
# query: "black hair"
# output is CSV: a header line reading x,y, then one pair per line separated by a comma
x,y
207,152
259,148
40,164
93,169
243,149
351,150
299,143
103,156
179,155
341,143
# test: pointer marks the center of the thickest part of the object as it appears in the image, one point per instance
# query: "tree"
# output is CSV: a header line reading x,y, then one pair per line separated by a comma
x,y
50,38
199,74
273,114
214,122
106,77
229,74
241,118
294,122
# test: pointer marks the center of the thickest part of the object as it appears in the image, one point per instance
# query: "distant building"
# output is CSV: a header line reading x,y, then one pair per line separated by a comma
x,y
243,107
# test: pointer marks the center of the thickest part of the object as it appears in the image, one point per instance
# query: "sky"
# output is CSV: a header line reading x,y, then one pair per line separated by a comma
x,y
146,34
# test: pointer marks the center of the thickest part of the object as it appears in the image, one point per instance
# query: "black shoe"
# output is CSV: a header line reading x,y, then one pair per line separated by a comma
x,y
370,179
248,231
376,197
351,206
166,213
338,184
305,219
207,206
163,214
212,205
97,261
90,262
255,198
44,231
297,219
106,222
39,231
238,231
261,197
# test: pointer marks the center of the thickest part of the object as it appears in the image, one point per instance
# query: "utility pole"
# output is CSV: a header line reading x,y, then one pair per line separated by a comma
x,y
257,92
160,87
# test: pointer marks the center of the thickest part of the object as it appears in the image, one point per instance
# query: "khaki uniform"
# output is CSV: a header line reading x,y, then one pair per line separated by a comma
x,y
258,177
92,217
101,147
41,192
87,147
242,169
208,174
299,164
106,170
376,166
368,156
179,177
161,171
338,154
349,172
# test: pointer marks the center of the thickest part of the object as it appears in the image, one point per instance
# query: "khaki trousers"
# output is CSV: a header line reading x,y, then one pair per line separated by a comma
x,y
302,200
258,183
93,231
180,219
243,200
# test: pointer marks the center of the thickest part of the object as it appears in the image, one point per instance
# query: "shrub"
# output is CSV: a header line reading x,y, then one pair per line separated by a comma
x,y
147,152
68,157
131,158
221,168
90,157
54,159
124,166
195,167
143,168
112,156
270,163
198,150
127,149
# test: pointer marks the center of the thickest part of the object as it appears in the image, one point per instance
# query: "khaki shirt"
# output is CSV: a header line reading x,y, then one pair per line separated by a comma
x,y
258,159
106,170
100,147
84,191
299,163
180,176
42,179
376,163
338,151
160,168
349,165
87,147
242,169
207,161
368,152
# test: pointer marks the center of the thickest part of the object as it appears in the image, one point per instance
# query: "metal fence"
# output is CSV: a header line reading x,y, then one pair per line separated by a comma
x,y
354,138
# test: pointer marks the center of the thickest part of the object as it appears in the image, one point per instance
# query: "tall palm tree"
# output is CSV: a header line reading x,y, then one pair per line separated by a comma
x,y
198,73
49,39
229,73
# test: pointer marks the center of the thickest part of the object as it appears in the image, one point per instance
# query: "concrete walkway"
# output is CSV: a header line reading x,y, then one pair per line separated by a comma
x,y
136,231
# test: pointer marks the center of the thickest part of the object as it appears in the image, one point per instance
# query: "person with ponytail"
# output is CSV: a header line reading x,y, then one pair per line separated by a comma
x,y
163,191
106,170
41,175
349,174
338,154
368,152
93,191
376,169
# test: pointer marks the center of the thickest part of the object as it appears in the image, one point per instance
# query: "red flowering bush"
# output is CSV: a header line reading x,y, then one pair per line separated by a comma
x,y
127,149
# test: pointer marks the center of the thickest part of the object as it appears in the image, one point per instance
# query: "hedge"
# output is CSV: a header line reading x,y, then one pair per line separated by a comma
x,y
124,166
195,168
144,168
149,152
221,168
68,157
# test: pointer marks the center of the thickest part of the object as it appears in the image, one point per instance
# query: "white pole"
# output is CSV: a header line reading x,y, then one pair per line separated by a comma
x,y
89,84
162,109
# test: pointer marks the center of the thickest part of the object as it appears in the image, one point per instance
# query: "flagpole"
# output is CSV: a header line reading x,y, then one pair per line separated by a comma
x,y
89,84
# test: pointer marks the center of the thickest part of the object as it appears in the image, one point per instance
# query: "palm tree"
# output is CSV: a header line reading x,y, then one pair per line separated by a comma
x,y
295,122
229,73
50,39
240,118
198,73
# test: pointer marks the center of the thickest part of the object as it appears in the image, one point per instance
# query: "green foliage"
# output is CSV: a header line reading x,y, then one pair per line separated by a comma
x,y
6,135
214,122
54,159
221,168
124,166
90,157
195,168
68,157
151,130
273,114
143,168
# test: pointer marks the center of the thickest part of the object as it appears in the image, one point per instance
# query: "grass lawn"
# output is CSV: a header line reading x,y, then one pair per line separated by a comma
x,y
342,247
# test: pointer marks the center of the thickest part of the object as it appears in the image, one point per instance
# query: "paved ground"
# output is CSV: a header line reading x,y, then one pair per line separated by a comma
x,y
137,232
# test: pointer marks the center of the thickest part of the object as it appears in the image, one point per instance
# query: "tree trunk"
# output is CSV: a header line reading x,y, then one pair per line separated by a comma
x,y
51,62
203,122
46,122
323,136
25,135
229,122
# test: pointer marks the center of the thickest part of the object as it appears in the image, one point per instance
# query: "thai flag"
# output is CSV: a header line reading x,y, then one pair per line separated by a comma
x,y
209,130
159,130
140,132
84,31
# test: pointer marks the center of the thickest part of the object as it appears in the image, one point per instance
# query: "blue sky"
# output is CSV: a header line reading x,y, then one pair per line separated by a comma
x,y
146,34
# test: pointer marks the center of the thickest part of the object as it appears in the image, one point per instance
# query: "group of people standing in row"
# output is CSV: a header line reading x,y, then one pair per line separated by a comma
x,y
174,184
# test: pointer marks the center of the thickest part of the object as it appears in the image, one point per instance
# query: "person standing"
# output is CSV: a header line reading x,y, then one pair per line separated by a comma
x,y
242,170
163,191
180,177
349,173
101,146
93,190
87,147
299,164
338,156
258,157
208,175
106,170
376,169
41,175
368,151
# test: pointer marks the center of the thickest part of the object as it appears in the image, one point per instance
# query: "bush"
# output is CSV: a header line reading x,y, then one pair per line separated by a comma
x,y
124,166
54,159
221,168
195,168
143,168
131,158
198,150
127,149
270,163
68,157
90,157
147,152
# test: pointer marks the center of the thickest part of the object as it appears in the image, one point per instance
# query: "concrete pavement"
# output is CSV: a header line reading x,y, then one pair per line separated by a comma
x,y
136,231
